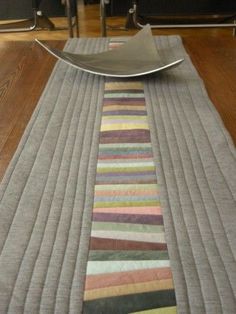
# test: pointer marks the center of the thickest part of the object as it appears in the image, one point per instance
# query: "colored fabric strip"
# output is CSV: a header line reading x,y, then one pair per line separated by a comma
x,y
128,265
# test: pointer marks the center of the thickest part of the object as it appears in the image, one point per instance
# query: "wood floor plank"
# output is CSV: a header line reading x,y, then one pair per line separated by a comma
x,y
21,89
215,60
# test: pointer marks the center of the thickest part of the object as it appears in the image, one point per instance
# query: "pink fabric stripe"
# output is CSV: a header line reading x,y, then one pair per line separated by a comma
x,y
129,277
152,210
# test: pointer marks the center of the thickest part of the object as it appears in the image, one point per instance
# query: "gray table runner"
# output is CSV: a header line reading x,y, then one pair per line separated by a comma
x,y
47,192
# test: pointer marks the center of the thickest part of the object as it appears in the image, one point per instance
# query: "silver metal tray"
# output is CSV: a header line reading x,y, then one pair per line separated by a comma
x,y
138,56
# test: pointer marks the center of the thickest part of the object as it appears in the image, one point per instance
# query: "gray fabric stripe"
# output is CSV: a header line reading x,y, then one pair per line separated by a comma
x,y
196,169
47,195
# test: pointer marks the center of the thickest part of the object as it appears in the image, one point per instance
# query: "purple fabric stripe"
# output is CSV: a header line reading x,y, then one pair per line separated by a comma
x,y
125,112
125,136
117,91
123,103
123,133
128,218
124,100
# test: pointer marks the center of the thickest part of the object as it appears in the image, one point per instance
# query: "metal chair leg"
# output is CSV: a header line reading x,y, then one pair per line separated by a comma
x,y
70,18
21,26
103,18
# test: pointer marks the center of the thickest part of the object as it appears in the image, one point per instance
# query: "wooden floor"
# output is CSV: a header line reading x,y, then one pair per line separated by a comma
x,y
89,20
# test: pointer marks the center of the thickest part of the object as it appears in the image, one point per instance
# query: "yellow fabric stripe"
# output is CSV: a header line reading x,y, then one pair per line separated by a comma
x,y
123,126
123,86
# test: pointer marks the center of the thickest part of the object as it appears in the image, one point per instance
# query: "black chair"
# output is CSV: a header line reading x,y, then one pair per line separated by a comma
x,y
33,14
172,13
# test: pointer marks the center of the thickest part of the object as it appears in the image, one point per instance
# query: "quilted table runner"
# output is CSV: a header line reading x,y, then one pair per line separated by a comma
x,y
120,197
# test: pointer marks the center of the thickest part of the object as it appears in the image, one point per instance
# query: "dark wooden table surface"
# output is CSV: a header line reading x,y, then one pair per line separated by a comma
x,y
25,68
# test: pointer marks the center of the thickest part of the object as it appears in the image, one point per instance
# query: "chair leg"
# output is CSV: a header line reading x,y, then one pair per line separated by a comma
x,y
103,18
21,26
69,18
76,19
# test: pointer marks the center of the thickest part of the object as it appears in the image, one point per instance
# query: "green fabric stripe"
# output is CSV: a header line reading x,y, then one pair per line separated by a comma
x,y
125,187
125,169
98,255
127,227
126,204
125,95
130,303
163,310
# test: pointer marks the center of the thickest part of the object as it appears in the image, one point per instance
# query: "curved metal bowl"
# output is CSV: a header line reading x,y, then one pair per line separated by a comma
x,y
123,61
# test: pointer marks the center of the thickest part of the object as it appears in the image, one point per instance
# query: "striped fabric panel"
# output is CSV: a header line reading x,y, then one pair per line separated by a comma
x,y
128,266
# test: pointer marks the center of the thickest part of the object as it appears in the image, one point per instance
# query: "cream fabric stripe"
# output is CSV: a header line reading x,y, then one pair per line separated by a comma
x,y
149,286
125,187
103,267
122,126
131,236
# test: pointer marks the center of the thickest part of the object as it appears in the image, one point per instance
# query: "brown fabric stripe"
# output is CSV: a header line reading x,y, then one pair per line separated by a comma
x,y
127,139
103,155
129,218
111,244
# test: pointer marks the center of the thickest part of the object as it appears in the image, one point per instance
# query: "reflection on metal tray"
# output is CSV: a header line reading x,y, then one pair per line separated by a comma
x,y
121,62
